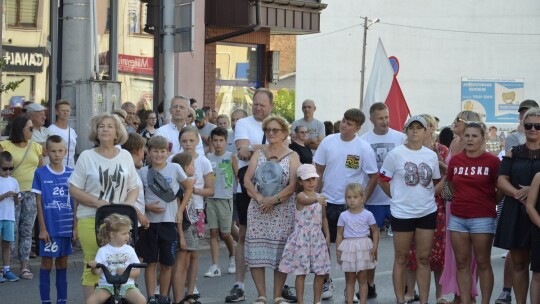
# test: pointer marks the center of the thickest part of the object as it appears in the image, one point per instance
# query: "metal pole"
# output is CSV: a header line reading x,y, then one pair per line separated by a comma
x,y
363,64
113,41
53,61
168,54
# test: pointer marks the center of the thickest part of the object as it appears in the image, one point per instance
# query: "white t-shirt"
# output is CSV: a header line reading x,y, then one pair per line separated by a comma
x,y
346,162
202,168
7,205
250,129
356,225
174,174
109,179
382,144
40,135
70,138
139,202
411,185
114,258
170,132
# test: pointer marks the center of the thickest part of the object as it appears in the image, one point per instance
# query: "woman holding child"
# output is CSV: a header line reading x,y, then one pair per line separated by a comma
x,y
103,175
270,217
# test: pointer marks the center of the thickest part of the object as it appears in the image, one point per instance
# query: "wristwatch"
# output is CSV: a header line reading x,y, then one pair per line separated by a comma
x,y
250,148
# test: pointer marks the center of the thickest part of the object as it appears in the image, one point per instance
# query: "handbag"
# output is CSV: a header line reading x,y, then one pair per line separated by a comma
x,y
159,186
446,193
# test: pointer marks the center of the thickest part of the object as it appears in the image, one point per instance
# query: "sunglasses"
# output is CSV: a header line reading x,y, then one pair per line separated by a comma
x,y
529,126
459,119
272,130
7,168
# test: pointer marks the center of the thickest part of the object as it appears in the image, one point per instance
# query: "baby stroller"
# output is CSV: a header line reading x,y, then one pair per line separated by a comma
x,y
117,280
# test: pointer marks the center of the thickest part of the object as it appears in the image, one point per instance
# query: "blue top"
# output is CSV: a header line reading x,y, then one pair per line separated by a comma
x,y
56,202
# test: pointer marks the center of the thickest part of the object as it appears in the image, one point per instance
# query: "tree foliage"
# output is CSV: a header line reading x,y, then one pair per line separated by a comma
x,y
10,86
284,104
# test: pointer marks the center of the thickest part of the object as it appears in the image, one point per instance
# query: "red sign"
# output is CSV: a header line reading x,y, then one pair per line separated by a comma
x,y
136,64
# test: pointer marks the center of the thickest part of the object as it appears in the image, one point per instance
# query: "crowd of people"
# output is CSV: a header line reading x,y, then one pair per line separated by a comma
x,y
277,194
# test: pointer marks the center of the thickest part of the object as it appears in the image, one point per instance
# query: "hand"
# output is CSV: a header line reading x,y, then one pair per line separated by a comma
x,y
92,264
193,181
327,239
443,167
183,245
322,200
120,271
267,204
243,152
338,257
373,254
522,193
44,235
75,234
10,194
155,208
144,222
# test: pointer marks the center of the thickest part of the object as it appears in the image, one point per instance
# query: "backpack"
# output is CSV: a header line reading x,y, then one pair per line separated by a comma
x,y
268,177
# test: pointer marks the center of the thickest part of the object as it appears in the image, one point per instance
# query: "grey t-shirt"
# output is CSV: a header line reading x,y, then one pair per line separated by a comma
x,y
174,174
514,139
223,174
315,128
205,131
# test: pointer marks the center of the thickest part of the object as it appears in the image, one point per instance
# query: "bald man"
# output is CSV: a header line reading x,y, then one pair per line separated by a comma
x,y
316,131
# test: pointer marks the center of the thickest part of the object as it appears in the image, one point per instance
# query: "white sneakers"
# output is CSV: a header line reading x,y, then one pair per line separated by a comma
x,y
213,271
232,265
328,289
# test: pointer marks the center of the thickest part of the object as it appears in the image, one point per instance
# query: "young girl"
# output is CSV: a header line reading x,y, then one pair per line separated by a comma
x,y
204,184
356,252
307,247
116,254
186,258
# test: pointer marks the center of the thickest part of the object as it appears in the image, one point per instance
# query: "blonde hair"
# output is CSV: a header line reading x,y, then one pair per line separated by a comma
x,y
355,188
112,223
189,129
283,123
121,132
469,116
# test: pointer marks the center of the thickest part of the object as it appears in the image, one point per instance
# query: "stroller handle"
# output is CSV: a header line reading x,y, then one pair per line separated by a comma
x,y
118,279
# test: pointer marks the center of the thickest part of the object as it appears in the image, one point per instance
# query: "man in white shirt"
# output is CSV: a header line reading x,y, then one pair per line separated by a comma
x,y
316,130
343,158
383,140
62,129
179,111
131,111
36,113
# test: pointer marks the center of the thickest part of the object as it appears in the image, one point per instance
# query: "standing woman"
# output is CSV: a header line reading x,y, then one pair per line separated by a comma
x,y
103,175
147,128
298,145
514,227
270,219
27,157
472,179
409,175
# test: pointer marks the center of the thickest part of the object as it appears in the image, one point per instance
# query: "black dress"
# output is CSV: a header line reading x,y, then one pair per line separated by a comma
x,y
514,225
306,156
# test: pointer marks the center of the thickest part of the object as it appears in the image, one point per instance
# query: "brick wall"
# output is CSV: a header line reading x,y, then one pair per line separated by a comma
x,y
286,45
261,37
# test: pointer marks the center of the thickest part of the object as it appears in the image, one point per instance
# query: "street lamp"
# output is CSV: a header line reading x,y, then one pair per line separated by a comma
x,y
366,26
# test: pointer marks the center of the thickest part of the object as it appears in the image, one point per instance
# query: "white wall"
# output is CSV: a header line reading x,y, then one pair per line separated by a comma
x,y
431,62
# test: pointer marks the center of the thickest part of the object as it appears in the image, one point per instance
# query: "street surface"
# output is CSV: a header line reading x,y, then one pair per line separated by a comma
x,y
214,290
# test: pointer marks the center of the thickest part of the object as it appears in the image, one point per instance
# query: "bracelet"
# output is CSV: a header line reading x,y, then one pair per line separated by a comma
x,y
278,199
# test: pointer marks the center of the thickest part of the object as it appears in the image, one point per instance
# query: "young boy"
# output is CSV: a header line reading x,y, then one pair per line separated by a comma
x,y
56,219
219,207
161,238
9,196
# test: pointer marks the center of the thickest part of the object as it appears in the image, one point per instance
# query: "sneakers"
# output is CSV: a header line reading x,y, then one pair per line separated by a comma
x,y
355,296
232,265
328,289
504,298
213,271
235,295
289,294
371,292
196,293
10,276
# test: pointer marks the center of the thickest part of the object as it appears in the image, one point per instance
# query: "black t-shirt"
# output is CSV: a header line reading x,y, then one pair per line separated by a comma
x,y
306,156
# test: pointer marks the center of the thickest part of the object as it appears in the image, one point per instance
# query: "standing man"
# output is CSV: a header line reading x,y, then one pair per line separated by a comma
x,y
248,136
204,129
131,111
315,128
343,158
235,116
179,111
36,113
61,128
383,140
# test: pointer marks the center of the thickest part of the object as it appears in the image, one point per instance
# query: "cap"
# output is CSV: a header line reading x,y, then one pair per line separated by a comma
x,y
306,171
527,104
417,118
35,107
199,115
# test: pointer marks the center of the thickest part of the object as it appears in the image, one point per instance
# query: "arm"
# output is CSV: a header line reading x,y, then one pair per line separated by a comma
x,y
439,186
242,145
208,189
375,236
305,200
234,160
532,200
503,183
75,229
385,186
40,161
85,198
320,171
339,239
248,184
372,183
187,184
132,196
43,233
313,143
325,228
268,202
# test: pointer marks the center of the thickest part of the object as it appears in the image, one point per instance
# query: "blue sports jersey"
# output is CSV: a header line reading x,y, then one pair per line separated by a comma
x,y
56,202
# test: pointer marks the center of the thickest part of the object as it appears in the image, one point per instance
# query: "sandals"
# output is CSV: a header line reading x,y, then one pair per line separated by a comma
x,y
189,299
442,300
280,300
26,274
260,300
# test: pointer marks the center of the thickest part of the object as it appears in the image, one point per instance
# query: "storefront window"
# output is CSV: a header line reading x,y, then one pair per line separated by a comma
x,y
21,13
238,72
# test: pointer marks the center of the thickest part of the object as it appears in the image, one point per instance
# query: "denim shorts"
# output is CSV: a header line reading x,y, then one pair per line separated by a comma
x,y
473,225
7,230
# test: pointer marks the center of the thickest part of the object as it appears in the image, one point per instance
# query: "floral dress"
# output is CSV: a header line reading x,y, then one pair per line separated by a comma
x,y
306,251
267,233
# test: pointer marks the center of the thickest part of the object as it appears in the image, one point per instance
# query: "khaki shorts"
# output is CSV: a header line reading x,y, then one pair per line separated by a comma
x,y
219,214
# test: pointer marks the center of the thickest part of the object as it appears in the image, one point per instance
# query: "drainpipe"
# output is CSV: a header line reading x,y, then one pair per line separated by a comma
x,y
252,28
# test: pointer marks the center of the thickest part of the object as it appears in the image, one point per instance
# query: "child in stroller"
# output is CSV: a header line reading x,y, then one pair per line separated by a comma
x,y
116,258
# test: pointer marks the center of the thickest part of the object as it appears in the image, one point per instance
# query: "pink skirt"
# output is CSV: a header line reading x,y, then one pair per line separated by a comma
x,y
355,254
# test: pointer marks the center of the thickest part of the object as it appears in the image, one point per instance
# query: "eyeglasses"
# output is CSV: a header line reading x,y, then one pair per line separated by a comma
x,y
7,168
459,119
177,107
152,118
529,126
302,132
31,129
272,130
